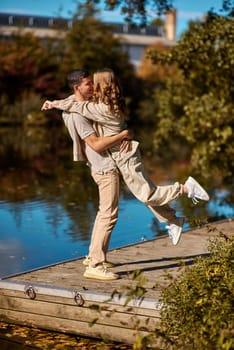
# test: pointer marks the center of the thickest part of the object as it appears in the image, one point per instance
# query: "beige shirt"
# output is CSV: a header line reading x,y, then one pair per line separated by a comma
x,y
79,128
105,122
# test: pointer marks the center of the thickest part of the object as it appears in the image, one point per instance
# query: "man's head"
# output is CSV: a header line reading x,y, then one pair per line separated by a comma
x,y
81,83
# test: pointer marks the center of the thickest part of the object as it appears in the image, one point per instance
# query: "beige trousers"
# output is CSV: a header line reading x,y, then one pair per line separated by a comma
x,y
107,215
156,198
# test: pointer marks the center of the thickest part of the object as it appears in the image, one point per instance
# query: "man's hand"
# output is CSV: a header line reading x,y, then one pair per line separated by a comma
x,y
127,134
47,105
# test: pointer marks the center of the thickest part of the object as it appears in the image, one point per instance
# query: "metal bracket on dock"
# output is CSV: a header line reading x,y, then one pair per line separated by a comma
x,y
30,292
78,298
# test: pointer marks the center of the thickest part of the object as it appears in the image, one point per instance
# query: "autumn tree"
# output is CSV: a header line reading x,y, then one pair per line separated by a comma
x,y
148,70
29,69
27,65
154,77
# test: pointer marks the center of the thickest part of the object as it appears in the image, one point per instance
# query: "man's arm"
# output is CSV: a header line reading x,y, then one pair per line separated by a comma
x,y
100,144
85,131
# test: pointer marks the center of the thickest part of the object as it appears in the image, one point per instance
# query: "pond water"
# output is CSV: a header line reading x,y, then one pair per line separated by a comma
x,y
48,203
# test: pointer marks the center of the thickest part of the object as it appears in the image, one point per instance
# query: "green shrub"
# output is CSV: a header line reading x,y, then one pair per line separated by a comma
x,y
198,311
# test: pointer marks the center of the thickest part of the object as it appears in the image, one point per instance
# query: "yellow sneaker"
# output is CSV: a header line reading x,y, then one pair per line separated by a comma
x,y
100,273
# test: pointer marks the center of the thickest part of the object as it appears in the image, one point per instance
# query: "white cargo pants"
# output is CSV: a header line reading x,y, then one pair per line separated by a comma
x,y
156,198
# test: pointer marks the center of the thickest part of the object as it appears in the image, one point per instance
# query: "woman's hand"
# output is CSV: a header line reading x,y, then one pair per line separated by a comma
x,y
125,146
47,105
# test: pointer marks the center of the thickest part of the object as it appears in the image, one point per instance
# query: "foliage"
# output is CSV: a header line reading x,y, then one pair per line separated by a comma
x,y
137,11
196,107
29,70
27,65
91,45
157,22
153,77
156,73
198,307
138,291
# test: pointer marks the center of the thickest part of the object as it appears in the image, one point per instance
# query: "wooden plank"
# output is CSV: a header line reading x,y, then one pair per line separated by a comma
x,y
151,257
68,301
119,334
63,311
86,295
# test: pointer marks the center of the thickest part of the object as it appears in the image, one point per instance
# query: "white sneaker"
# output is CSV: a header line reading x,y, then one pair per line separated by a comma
x,y
100,273
175,230
106,264
195,190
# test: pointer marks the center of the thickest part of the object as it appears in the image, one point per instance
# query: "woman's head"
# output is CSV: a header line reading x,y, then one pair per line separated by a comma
x,y
107,90
104,78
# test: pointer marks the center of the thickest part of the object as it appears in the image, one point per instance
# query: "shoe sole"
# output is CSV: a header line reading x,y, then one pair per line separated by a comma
x,y
207,198
178,239
181,225
91,276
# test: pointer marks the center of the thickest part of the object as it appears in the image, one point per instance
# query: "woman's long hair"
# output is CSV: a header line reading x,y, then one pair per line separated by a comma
x,y
108,91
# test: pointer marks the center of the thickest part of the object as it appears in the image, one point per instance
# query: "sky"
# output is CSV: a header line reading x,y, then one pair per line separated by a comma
x,y
187,10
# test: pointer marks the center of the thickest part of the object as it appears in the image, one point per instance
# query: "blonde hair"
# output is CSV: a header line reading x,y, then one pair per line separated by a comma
x,y
108,91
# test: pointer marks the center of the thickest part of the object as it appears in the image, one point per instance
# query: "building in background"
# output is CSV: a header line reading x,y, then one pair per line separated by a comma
x,y
134,40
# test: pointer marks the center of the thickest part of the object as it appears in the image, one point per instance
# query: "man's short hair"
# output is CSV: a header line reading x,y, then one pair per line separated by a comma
x,y
76,76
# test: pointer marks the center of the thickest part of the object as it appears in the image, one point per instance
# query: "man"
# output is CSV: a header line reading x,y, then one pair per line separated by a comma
x,y
86,145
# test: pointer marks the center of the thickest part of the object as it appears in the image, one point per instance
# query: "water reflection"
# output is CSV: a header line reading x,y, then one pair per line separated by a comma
x,y
48,203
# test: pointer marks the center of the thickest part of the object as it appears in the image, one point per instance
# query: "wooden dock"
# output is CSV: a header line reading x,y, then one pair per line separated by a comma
x,y
59,298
